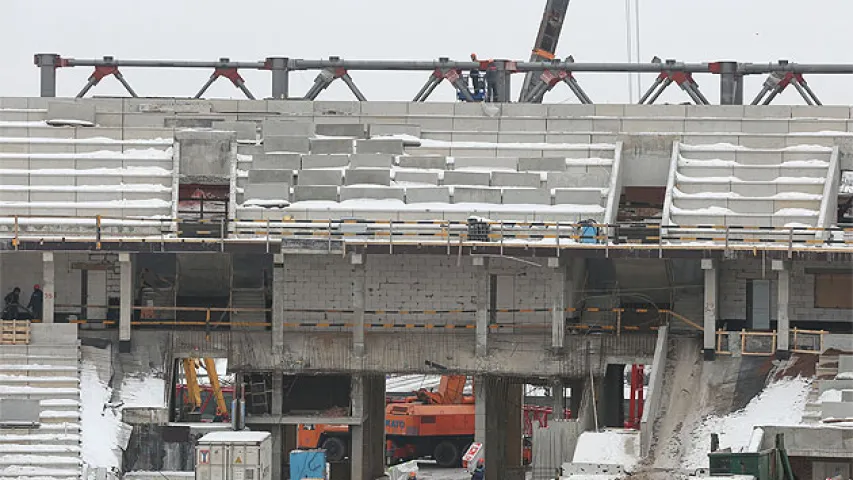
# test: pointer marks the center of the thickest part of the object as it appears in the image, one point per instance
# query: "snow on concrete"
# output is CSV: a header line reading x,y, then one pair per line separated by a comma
x,y
101,424
780,404
140,204
731,179
611,447
846,182
427,143
728,147
108,172
143,391
130,154
89,141
398,206
830,396
844,376
677,193
796,212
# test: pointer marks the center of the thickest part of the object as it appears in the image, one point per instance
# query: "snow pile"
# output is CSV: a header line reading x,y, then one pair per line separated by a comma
x,y
844,376
780,404
143,391
612,447
101,426
830,396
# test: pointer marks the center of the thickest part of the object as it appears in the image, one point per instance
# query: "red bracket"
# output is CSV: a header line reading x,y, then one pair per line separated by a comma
x,y
553,78
103,71
679,78
452,75
789,77
340,72
229,73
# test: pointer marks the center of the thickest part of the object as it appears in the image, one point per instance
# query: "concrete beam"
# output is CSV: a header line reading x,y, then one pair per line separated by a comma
x,y
711,307
783,313
126,294
279,293
48,287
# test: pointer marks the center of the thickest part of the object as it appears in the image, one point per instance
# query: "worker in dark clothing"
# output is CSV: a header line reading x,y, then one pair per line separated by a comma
x,y
492,82
479,471
36,302
845,211
476,79
12,304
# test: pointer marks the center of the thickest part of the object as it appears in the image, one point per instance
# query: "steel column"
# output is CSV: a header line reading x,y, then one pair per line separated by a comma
x,y
505,70
731,84
280,76
48,63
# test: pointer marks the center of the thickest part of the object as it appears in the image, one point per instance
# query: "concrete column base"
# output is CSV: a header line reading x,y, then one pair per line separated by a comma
x,y
783,354
367,445
710,354
124,346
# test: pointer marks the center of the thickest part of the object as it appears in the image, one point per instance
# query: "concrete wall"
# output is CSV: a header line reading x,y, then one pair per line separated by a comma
x,y
654,397
733,281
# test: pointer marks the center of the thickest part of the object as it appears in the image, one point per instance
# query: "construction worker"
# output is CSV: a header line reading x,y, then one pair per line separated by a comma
x,y
12,304
479,471
476,80
491,81
36,302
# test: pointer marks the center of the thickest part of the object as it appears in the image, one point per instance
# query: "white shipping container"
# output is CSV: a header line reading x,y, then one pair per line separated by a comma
x,y
234,456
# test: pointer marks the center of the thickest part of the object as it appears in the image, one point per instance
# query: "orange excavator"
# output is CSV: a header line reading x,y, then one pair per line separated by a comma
x,y
437,425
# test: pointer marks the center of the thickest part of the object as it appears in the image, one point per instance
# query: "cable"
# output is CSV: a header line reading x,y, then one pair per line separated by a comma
x,y
630,48
639,52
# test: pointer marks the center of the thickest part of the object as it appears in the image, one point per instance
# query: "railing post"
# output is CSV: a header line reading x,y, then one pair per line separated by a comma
x,y
98,232
16,240
501,233
558,239
330,235
790,243
391,236
446,227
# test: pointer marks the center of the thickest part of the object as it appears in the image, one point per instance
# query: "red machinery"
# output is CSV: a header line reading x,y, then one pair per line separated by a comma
x,y
635,402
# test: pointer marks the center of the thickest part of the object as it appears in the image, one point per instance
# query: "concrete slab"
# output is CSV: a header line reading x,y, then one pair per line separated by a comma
x,y
368,160
381,109
394,147
526,196
375,193
507,163
350,130
577,196
315,193
522,125
476,195
467,124
331,145
571,110
569,180
545,164
845,363
325,161
282,143
825,111
277,161
180,122
431,109
525,110
377,129
436,162
267,191
515,179
320,177
430,178
428,195
205,154
467,178
368,176
61,112
257,176
290,107
337,108
244,130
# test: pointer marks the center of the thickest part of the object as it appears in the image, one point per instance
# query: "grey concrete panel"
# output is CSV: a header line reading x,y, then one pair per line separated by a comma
x,y
656,110
325,161
291,107
273,127
79,111
41,196
569,180
757,174
467,178
331,145
764,125
524,110
437,162
546,164
526,196
19,412
476,195
377,129
571,110
700,203
845,363
244,130
352,130
468,124
741,221
767,111
366,160
837,410
376,193
432,109
332,108
523,125
428,195
277,161
183,122
13,196
824,111
205,154
257,176
368,176
746,190
515,179
508,163
268,191
320,177
579,196
394,147
281,143
417,177
385,108
315,193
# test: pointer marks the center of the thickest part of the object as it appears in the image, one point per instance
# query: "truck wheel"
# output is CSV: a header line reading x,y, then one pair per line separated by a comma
x,y
446,454
336,449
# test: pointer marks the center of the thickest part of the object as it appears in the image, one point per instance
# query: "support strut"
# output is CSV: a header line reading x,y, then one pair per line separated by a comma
x,y
777,82
666,78
439,75
230,73
99,74
549,79
327,76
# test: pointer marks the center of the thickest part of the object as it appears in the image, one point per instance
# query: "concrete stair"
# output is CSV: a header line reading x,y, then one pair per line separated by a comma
x,y
50,374
827,369
248,298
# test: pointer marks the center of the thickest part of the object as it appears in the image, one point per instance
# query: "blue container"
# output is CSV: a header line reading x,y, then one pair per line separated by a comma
x,y
307,464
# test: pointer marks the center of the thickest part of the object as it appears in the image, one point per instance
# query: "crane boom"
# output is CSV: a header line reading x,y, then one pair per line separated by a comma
x,y
546,41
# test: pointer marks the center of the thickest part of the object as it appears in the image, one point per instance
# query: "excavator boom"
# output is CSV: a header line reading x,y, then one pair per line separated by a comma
x,y
210,366
545,48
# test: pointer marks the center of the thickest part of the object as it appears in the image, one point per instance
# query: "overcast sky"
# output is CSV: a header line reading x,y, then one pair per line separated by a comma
x,y
250,30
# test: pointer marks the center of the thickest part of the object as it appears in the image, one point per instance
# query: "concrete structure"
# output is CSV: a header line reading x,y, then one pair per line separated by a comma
x,y
353,282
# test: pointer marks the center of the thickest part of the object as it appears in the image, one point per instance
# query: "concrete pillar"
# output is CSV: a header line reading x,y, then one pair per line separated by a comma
x,y
280,76
612,411
711,306
480,395
558,303
513,431
367,446
125,313
483,302
358,299
504,80
278,293
783,316
558,389
731,84
48,63
48,287
276,408
498,424
575,278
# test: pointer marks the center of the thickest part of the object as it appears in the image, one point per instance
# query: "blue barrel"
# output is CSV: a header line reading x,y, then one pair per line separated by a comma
x,y
307,464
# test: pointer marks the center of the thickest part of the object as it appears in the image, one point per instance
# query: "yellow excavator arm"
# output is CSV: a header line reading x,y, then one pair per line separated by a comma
x,y
193,390
210,366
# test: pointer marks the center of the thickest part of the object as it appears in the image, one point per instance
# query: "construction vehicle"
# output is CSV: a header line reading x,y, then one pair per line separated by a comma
x,y
437,425
192,403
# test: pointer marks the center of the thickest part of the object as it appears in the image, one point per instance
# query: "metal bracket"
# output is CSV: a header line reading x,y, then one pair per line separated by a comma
x,y
99,74
452,75
666,78
230,73
549,79
777,82
329,75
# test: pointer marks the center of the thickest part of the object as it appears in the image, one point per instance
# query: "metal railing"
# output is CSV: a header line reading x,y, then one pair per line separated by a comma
x,y
764,344
98,230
